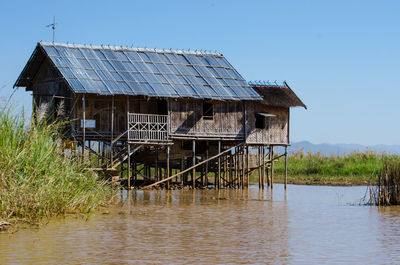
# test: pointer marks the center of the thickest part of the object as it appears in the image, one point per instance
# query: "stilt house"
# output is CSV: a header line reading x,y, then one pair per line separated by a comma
x,y
156,112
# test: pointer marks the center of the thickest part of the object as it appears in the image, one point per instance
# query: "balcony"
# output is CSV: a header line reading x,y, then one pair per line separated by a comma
x,y
147,127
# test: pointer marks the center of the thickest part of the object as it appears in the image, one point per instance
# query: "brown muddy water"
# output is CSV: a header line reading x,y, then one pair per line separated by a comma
x,y
308,225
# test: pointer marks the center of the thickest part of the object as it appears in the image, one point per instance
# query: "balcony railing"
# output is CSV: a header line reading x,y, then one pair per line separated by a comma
x,y
147,127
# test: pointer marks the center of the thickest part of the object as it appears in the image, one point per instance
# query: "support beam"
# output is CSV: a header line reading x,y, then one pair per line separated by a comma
x,y
112,131
242,162
263,167
272,166
259,167
285,167
206,173
219,166
128,169
194,163
182,168
156,167
168,169
247,167
84,126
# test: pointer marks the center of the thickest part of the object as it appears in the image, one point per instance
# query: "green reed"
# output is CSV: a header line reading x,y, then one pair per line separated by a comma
x,y
36,180
352,168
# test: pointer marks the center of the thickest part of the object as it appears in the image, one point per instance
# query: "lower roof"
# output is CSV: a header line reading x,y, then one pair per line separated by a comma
x,y
277,94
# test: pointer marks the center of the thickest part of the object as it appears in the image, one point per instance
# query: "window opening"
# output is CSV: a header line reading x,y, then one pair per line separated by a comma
x,y
208,111
260,121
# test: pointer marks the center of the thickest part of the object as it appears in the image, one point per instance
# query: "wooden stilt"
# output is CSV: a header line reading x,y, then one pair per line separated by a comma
x,y
259,167
128,169
194,163
112,131
226,171
99,154
285,167
168,168
267,170
263,167
156,166
84,126
230,171
242,163
247,167
206,171
272,166
236,171
202,175
182,168
219,166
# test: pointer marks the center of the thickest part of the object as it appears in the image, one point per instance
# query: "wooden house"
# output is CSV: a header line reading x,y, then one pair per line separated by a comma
x,y
156,112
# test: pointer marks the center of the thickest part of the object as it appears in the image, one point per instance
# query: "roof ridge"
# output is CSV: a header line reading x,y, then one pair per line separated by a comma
x,y
126,48
266,83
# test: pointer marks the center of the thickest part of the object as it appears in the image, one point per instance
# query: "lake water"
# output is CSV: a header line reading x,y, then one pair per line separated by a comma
x,y
307,225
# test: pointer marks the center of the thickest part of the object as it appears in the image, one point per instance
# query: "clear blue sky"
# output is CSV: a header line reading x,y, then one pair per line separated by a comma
x,y
341,57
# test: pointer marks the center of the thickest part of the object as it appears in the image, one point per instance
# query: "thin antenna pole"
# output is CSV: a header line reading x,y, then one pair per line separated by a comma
x,y
53,26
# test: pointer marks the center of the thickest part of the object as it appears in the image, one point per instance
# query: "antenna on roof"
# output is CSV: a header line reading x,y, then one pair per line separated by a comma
x,y
53,26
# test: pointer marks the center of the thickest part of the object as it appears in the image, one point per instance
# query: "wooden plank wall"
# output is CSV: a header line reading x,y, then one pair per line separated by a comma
x,y
276,130
187,119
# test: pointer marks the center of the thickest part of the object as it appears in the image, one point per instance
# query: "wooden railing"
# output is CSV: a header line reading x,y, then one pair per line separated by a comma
x,y
147,127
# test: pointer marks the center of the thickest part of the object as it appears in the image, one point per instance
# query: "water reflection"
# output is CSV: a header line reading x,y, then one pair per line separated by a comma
x,y
303,225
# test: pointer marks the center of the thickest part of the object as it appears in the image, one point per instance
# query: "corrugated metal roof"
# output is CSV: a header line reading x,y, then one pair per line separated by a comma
x,y
108,70
277,94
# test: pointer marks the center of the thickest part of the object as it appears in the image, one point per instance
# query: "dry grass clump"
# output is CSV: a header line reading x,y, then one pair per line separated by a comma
x,y
387,190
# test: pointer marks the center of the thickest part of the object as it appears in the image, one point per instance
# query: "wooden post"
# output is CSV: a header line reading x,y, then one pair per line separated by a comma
x,y
99,154
259,167
268,166
168,169
272,166
230,172
156,167
243,166
236,167
194,163
84,126
285,167
226,171
182,168
103,150
112,131
219,166
206,173
263,167
247,167
128,169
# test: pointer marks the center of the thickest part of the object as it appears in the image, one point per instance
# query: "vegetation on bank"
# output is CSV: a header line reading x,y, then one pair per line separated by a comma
x,y
356,168
387,190
36,180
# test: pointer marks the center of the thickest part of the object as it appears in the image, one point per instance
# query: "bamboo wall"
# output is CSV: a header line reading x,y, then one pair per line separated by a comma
x,y
187,119
276,128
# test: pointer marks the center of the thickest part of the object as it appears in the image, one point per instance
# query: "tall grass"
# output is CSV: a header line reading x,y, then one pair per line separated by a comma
x,y
36,180
387,190
352,168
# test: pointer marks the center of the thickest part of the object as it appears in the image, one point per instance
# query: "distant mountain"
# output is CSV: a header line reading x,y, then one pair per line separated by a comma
x,y
340,149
